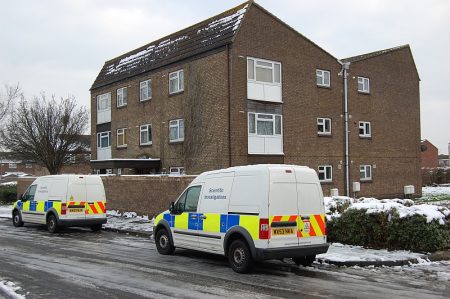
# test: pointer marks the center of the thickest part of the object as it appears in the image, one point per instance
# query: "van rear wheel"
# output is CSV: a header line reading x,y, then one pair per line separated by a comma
x,y
96,227
163,244
17,219
305,261
52,224
240,257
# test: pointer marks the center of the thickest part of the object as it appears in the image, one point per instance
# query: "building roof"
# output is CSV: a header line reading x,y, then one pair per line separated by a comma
x,y
373,54
205,36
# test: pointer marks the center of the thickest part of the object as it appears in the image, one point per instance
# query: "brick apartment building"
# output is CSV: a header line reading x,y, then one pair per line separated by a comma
x,y
429,154
243,87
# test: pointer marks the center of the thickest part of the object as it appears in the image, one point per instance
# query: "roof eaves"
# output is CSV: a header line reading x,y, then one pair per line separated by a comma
x,y
373,54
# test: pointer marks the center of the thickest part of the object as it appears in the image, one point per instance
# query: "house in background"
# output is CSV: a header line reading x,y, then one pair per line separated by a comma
x,y
242,88
429,154
443,160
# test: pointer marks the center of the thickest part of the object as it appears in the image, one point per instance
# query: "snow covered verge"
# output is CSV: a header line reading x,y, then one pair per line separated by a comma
x,y
10,289
128,221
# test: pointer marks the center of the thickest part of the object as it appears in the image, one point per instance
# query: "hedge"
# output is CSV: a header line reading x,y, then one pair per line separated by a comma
x,y
8,193
388,230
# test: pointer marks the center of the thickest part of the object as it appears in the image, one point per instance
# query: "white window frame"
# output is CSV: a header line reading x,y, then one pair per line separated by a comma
x,y
28,165
251,61
109,171
119,171
364,84
258,117
176,170
148,85
321,121
12,165
146,128
366,126
121,133
178,77
179,124
322,169
363,172
100,136
104,102
321,78
122,96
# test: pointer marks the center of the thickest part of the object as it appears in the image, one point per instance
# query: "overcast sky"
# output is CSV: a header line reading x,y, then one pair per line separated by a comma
x,y
59,46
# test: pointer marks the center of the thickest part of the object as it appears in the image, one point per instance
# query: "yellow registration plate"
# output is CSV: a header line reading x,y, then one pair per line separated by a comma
x,y
75,210
282,231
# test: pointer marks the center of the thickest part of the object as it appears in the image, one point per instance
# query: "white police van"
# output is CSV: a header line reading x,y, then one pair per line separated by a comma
x,y
248,213
62,200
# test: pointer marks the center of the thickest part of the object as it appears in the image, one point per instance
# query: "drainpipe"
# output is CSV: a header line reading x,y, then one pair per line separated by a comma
x,y
345,67
229,104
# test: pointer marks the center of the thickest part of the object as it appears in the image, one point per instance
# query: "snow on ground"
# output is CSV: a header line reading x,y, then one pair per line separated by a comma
x,y
348,253
5,211
438,190
10,289
128,221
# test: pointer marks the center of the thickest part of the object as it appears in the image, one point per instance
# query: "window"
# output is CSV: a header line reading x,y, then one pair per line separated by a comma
x,y
365,172
324,126
104,101
323,78
176,81
188,200
363,85
122,97
263,71
119,171
12,165
325,173
28,165
109,171
104,139
145,90
122,137
365,129
264,124
176,170
145,135
29,194
176,130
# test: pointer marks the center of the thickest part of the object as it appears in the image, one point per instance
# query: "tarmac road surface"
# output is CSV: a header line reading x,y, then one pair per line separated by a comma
x,y
78,263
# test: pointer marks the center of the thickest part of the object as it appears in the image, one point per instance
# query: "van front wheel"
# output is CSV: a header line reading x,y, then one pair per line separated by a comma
x,y
52,224
305,261
17,219
163,242
239,257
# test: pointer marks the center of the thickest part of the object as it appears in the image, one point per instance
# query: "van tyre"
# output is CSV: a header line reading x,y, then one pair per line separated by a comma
x,y
17,219
96,227
52,224
163,244
305,261
240,257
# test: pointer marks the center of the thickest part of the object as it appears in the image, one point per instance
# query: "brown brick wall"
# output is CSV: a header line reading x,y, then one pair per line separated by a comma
x,y
429,155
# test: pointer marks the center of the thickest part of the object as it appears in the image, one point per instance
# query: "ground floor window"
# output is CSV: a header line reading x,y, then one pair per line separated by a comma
x,y
325,173
365,172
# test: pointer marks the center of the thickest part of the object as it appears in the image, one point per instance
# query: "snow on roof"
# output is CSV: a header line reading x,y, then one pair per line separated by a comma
x,y
199,38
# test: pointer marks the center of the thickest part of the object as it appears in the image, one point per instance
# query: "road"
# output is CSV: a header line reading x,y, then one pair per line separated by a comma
x,y
78,263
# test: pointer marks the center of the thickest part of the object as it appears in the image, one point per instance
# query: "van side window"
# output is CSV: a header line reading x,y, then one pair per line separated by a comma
x,y
29,195
188,200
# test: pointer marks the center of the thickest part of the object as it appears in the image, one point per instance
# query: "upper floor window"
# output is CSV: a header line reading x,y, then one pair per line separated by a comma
x,y
122,97
176,130
176,81
104,139
365,172
323,78
365,129
12,165
264,124
324,126
363,85
145,135
122,137
325,173
145,88
264,71
104,101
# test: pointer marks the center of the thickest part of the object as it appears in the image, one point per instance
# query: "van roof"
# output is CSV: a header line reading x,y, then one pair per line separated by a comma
x,y
252,168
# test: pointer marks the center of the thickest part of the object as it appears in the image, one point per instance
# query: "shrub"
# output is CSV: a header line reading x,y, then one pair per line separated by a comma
x,y
8,193
388,230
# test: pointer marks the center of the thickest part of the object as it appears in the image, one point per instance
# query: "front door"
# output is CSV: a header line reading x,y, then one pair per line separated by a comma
x,y
187,221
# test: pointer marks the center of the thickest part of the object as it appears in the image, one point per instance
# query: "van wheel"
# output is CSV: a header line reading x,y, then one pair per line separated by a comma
x,y
305,261
239,257
96,227
162,241
17,219
52,224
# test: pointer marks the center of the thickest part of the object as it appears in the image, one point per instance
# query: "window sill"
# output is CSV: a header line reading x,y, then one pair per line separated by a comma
x,y
121,147
364,92
323,86
326,182
146,100
365,181
324,135
145,144
171,94
175,141
123,106
265,83
365,137
266,154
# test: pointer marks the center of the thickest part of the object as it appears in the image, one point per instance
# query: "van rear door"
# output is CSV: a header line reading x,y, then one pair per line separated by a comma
x,y
76,198
95,198
283,207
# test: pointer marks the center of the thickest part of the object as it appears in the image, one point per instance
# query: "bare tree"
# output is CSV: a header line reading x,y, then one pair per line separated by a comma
x,y
44,131
11,93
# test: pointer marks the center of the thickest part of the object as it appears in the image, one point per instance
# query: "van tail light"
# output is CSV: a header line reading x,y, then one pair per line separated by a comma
x,y
264,229
63,209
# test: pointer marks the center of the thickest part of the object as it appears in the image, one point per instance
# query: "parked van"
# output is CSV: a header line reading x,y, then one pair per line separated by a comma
x,y
248,213
62,200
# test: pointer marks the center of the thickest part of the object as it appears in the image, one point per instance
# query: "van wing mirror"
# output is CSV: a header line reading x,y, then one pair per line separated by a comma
x,y
172,207
23,197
